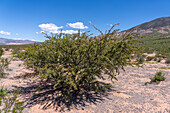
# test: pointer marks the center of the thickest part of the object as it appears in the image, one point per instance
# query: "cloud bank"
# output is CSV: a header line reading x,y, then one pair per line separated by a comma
x,y
5,33
52,28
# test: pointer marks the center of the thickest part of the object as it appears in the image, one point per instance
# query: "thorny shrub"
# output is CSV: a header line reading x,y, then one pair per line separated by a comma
x,y
75,63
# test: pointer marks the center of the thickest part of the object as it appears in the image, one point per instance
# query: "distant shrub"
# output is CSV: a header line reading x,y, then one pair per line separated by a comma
x,y
14,47
141,59
157,78
159,55
159,59
149,58
4,62
168,61
155,59
6,49
75,63
1,52
15,51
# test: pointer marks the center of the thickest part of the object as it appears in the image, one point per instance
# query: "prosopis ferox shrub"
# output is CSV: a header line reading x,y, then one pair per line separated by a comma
x,y
76,63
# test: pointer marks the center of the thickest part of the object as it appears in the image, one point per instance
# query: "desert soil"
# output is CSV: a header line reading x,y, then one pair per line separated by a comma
x,y
128,95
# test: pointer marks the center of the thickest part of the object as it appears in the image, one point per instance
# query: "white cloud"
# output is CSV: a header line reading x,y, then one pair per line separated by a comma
x,y
5,33
37,32
49,27
16,33
70,31
66,31
52,28
77,25
109,25
32,40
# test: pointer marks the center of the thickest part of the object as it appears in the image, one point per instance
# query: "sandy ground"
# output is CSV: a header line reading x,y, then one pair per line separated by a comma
x,y
129,94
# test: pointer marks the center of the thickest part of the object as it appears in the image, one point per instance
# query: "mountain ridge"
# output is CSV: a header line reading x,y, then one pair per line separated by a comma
x,y
6,41
156,26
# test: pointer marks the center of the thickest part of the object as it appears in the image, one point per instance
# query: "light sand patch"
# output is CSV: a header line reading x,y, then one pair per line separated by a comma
x,y
121,94
37,109
9,82
86,111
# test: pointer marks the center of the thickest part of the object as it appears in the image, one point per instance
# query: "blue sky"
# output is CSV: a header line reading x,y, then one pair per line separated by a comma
x,y
25,19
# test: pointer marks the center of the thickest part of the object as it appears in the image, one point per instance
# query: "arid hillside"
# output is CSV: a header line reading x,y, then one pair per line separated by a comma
x,y
156,26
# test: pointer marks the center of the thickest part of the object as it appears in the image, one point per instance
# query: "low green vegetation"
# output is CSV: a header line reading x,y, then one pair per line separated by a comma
x,y
168,61
4,62
157,78
159,43
141,59
14,48
9,102
163,67
149,58
7,47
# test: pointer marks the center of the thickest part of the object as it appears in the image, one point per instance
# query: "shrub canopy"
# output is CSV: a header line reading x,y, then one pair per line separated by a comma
x,y
77,62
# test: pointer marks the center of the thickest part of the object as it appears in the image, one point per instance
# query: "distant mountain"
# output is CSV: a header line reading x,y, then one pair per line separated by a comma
x,y
159,25
4,41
